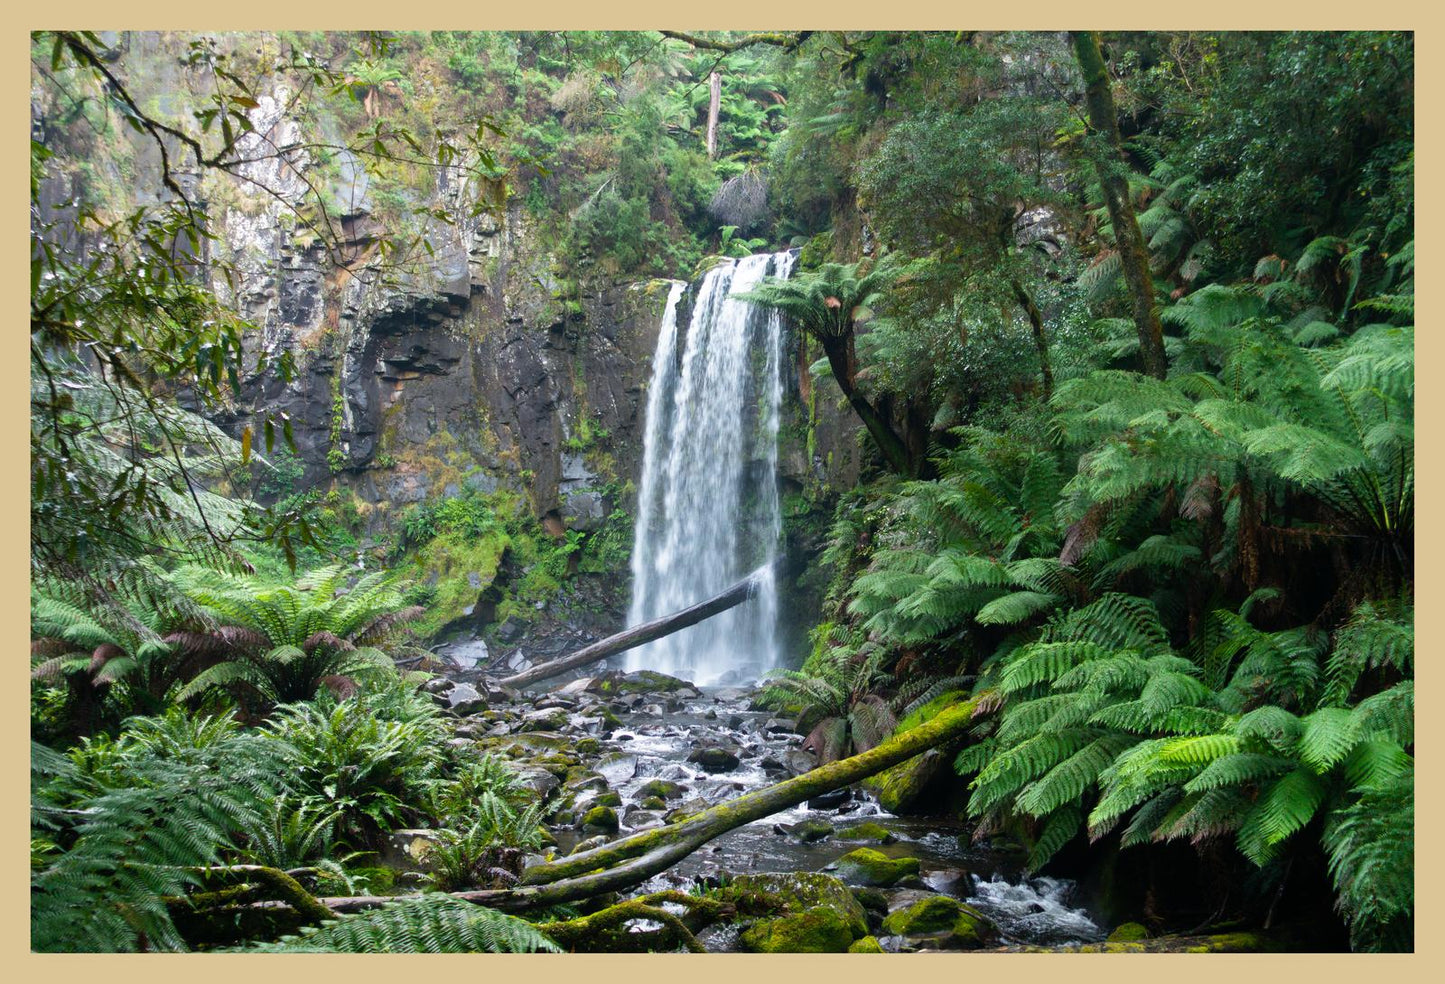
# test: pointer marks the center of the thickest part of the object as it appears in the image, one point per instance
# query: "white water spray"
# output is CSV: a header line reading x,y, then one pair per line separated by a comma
x,y
708,509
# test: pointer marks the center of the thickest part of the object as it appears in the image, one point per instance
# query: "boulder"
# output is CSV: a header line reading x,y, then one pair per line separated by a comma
x,y
799,761
662,789
943,923
817,913
866,866
715,759
538,780
406,850
547,719
812,831
816,931
465,699
641,682
873,833
691,808
600,820
1129,932
868,944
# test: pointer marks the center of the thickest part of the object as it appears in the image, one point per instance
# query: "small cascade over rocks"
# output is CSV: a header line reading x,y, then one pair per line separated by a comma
x,y
708,506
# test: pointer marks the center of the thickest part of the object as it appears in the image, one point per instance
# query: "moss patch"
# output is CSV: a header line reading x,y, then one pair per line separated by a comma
x,y
798,892
959,926
872,832
1128,932
868,944
866,866
462,568
600,818
818,931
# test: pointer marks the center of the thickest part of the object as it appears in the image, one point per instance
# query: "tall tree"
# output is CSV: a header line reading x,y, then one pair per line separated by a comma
x,y
1128,239
826,303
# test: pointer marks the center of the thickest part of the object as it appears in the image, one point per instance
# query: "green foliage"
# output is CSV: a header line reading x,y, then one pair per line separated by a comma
x,y
283,643
129,822
827,302
422,924
361,764
490,850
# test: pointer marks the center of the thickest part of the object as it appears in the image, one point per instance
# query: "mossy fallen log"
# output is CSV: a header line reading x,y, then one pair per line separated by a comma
x,y
646,632
627,862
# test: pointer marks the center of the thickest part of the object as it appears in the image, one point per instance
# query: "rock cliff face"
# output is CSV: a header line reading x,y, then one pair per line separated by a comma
x,y
463,363
473,370
479,369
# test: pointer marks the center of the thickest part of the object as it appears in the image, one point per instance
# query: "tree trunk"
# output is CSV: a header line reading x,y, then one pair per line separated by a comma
x,y
844,366
1128,240
714,100
627,862
1041,342
644,633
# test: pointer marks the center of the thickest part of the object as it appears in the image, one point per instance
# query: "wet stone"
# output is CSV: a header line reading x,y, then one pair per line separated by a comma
x,y
715,759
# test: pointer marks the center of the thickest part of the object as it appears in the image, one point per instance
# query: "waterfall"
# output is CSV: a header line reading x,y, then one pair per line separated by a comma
x,y
708,509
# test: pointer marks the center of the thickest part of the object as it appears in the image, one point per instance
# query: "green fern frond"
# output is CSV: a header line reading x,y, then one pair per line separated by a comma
x,y
427,923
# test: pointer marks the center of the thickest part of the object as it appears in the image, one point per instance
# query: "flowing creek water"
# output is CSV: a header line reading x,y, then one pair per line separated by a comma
x,y
660,731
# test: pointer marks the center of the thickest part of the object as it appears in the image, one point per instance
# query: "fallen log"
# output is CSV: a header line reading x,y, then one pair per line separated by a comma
x,y
632,860
646,632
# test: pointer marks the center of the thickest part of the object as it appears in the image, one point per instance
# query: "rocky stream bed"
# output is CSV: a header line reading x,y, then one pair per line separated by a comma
x,y
615,754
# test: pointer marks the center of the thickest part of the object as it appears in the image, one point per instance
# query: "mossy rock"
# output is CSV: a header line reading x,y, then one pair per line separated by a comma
x,y
686,811
797,892
1129,932
901,789
662,789
817,913
588,746
871,899
588,844
558,765
818,931
811,831
640,682
551,720
600,819
715,759
816,251
536,741
868,944
652,803
609,798
947,922
580,778
872,832
866,866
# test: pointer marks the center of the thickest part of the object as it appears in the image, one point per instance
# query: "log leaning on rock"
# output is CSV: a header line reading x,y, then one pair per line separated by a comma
x,y
646,632
632,860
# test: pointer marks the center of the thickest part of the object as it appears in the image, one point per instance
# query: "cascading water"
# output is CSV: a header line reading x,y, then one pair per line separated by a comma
x,y
708,509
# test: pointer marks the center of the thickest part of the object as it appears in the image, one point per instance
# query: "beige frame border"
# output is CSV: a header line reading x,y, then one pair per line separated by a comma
x,y
641,15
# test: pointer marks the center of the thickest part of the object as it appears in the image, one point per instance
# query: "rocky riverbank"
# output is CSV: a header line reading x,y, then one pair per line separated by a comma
x,y
614,754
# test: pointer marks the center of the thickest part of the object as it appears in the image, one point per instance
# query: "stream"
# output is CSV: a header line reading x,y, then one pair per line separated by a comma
x,y
658,733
